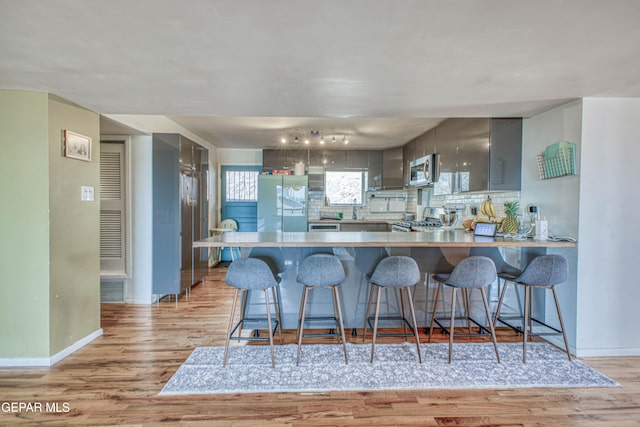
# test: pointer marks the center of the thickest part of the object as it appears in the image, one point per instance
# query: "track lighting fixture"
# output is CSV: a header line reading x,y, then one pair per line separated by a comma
x,y
313,137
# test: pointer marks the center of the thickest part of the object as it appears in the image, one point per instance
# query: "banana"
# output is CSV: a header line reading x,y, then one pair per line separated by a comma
x,y
487,208
483,208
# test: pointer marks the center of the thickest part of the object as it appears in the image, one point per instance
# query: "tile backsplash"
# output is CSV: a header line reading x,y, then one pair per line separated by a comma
x,y
409,197
373,209
475,199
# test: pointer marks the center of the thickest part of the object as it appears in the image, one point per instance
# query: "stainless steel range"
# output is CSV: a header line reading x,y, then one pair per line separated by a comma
x,y
407,226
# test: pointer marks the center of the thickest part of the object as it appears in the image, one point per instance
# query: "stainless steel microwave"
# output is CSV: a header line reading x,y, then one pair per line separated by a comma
x,y
422,171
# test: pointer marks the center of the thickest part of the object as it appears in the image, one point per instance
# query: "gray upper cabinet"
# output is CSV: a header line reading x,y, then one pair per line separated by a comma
x,y
316,171
425,144
407,157
315,158
392,168
447,139
430,142
283,159
273,159
295,156
334,159
374,168
356,159
474,154
505,158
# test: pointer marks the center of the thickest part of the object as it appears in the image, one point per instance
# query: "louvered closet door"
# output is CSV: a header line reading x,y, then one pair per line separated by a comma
x,y
112,208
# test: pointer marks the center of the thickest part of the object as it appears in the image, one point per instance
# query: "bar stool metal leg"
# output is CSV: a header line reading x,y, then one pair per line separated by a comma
x,y
564,333
336,307
233,313
525,327
366,314
435,308
301,321
452,320
375,323
493,332
415,324
277,309
404,325
273,356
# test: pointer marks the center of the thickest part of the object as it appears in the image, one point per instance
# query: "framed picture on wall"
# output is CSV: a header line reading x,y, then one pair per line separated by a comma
x,y
77,146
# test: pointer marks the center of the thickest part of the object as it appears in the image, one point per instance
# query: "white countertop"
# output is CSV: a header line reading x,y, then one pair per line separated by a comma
x,y
436,238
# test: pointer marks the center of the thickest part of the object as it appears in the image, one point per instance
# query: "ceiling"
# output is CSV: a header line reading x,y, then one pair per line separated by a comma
x,y
242,73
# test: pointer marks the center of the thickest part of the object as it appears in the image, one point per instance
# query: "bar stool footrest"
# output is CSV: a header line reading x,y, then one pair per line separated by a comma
x,y
323,319
253,338
480,327
387,318
519,329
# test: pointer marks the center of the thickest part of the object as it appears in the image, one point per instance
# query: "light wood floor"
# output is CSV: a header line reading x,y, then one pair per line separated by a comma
x,y
116,380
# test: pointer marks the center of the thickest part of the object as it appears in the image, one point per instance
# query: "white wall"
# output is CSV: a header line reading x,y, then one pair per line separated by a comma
x,y
608,282
139,284
557,199
139,287
239,157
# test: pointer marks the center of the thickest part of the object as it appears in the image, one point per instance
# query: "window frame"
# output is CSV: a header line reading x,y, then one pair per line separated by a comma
x,y
363,188
255,186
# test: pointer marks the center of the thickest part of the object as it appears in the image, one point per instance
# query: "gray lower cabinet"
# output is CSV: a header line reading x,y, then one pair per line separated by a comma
x,y
180,212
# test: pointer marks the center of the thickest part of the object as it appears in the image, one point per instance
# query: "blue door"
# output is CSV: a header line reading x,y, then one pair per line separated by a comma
x,y
239,198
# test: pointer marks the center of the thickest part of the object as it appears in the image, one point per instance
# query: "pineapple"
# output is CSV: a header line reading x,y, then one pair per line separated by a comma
x,y
510,223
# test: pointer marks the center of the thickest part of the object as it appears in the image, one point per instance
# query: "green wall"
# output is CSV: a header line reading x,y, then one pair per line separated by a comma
x,y
24,225
49,249
75,228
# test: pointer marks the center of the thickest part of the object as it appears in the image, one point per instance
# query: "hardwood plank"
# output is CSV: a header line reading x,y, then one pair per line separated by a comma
x,y
116,380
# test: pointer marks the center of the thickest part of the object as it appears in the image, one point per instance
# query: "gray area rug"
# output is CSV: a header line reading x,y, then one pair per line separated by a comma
x,y
396,367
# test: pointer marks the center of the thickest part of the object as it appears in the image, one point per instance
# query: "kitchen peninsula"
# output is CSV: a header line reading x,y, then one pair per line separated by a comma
x,y
354,290
431,238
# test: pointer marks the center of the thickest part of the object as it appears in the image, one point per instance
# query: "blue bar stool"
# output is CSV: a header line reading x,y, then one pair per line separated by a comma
x,y
321,271
505,270
247,274
366,259
397,272
545,272
475,272
431,260
274,258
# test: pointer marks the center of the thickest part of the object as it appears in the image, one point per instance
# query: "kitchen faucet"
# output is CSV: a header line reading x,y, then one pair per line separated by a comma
x,y
355,215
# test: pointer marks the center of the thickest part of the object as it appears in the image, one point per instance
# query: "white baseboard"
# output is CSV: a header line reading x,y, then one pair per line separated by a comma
x,y
608,352
50,361
24,362
595,352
